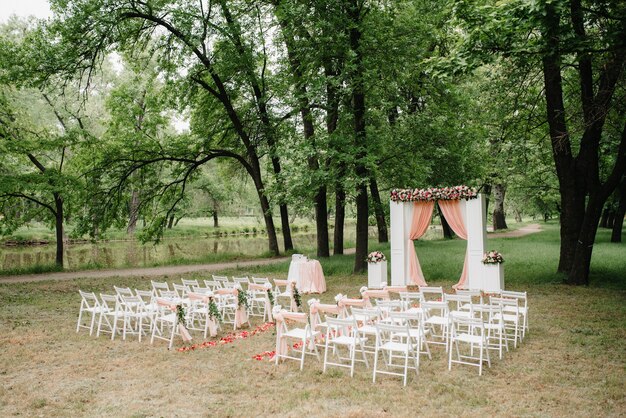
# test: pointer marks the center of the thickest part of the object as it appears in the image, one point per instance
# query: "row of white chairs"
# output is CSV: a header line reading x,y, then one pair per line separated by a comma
x,y
402,330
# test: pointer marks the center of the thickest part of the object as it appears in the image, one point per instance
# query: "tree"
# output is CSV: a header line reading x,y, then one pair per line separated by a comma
x,y
580,49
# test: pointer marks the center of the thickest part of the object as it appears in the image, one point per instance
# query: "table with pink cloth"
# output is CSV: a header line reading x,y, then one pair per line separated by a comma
x,y
308,276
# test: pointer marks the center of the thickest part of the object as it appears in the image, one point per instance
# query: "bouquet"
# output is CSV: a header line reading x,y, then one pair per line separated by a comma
x,y
492,257
376,257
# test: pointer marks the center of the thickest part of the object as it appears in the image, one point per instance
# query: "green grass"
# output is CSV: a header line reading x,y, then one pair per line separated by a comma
x,y
572,363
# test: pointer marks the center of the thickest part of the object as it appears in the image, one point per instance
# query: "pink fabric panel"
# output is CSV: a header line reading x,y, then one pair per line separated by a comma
x,y
311,277
360,303
422,213
452,212
212,327
241,317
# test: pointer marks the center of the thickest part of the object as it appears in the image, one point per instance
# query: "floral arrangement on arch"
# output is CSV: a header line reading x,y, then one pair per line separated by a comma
x,y
434,193
376,257
492,257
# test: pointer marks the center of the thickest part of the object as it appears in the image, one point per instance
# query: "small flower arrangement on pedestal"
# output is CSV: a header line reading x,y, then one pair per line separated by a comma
x,y
492,257
376,257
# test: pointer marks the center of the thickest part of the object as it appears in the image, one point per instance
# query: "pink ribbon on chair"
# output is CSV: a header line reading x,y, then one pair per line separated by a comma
x,y
206,299
182,330
317,308
280,318
241,316
376,294
360,303
287,284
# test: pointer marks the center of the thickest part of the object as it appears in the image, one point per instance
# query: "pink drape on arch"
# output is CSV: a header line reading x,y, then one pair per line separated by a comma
x,y
422,212
451,210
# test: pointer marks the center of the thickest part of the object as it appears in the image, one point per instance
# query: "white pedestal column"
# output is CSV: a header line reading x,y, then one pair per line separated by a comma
x,y
475,224
493,277
376,275
400,214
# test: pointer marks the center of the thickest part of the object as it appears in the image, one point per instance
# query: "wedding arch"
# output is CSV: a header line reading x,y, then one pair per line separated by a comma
x,y
410,214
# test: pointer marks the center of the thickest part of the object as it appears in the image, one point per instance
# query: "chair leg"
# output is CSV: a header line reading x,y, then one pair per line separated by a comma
x,y
375,363
93,321
80,315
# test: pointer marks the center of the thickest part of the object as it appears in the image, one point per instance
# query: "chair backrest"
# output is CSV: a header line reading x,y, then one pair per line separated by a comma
x,y
110,302
159,285
520,296
430,293
260,280
181,290
475,294
387,332
212,284
467,325
346,327
189,282
123,291
146,295
434,308
410,299
455,302
243,281
201,290
365,315
167,294
89,300
390,305
228,285
219,278
132,303
510,303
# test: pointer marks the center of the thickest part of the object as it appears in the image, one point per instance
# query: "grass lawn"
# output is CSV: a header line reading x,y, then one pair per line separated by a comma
x,y
572,363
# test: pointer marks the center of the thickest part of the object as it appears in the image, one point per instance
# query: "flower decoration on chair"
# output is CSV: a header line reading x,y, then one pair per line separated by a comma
x,y
492,257
214,312
242,297
270,295
376,257
338,298
432,194
296,295
180,314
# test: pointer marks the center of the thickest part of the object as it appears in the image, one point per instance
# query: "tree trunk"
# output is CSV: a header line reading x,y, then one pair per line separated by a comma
x,y
611,219
499,220
487,193
616,235
58,218
579,273
284,223
360,140
605,218
445,226
134,212
383,236
170,222
518,215
340,217
215,220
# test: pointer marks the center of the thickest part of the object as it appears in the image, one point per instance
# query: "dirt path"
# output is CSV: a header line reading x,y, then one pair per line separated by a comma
x,y
526,230
175,270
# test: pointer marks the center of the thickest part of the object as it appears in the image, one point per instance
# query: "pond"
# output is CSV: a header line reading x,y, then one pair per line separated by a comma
x,y
117,254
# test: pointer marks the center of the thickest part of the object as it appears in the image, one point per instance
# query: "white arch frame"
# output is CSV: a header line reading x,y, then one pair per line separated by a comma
x,y
480,276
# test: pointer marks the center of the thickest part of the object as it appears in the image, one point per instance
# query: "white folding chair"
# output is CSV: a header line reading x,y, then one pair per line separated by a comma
x,y
89,303
366,319
460,305
304,338
165,320
156,286
149,299
198,313
213,284
112,312
392,343
494,325
415,322
411,301
123,291
510,316
135,316
343,333
436,321
522,302
475,294
471,332
282,290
